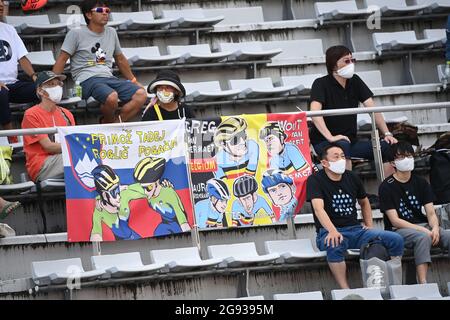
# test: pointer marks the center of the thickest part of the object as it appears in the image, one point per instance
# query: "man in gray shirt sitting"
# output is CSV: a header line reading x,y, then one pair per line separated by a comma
x,y
91,49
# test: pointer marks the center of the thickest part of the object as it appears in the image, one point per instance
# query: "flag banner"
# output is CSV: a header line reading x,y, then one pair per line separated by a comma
x,y
248,170
127,181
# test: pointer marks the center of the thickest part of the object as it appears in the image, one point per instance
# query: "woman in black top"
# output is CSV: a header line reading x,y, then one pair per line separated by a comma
x,y
340,89
166,104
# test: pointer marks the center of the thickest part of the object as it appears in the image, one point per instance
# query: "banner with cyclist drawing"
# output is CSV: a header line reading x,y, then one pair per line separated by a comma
x,y
126,182
248,170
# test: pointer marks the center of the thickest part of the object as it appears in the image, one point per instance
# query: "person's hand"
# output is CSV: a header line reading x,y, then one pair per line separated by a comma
x,y
185,227
426,231
2,85
167,184
333,239
435,236
390,139
366,227
338,137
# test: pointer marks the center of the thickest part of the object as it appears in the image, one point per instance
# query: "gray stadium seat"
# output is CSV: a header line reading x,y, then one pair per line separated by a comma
x,y
236,16
240,255
190,18
61,271
124,265
366,293
143,20
402,40
199,53
295,52
182,259
428,290
41,58
245,298
372,78
436,34
258,88
302,84
74,20
395,7
435,6
292,251
313,295
208,91
245,51
34,24
148,56
326,11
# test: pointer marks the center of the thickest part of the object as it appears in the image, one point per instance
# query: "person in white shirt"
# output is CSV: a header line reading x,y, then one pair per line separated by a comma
x,y
13,52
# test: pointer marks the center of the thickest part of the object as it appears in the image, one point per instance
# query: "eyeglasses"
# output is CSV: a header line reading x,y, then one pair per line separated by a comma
x,y
349,60
101,10
237,138
115,192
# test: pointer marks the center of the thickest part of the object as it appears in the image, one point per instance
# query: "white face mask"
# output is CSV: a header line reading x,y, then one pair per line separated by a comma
x,y
406,164
55,93
347,72
337,167
165,97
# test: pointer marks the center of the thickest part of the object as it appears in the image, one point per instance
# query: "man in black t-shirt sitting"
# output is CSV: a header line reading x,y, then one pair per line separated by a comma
x,y
343,89
402,197
333,193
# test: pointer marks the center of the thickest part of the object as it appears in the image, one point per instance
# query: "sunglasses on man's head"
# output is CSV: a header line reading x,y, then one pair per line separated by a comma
x,y
101,10
349,60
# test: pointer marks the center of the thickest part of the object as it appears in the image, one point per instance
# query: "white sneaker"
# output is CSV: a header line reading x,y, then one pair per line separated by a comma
x,y
6,231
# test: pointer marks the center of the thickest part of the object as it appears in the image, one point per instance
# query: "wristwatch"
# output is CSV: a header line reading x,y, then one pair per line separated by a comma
x,y
388,134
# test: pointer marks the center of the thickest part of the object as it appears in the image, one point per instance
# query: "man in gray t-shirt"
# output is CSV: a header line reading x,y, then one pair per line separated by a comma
x,y
91,50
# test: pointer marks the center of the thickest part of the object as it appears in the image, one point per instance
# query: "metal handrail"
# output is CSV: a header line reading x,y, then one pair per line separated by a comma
x,y
322,113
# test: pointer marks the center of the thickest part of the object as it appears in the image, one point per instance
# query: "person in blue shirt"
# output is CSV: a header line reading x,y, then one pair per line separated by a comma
x,y
210,212
283,156
250,208
281,190
237,155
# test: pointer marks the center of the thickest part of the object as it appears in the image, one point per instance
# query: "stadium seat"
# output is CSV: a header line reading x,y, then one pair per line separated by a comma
x,y
143,20
302,84
41,58
236,16
395,7
436,34
366,293
62,271
182,259
258,88
313,295
34,24
245,51
402,40
371,78
292,251
428,290
435,6
208,91
190,18
337,10
16,188
148,56
295,52
240,255
124,265
51,185
245,298
74,20
199,53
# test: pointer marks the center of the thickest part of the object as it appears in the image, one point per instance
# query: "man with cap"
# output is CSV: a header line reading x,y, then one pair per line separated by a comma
x,y
43,151
13,53
166,104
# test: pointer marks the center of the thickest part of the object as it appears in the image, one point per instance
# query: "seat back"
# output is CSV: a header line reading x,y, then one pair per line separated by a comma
x,y
327,7
386,37
185,13
29,19
237,250
259,83
427,290
371,78
205,86
251,46
294,246
64,266
41,57
141,52
138,16
313,295
235,16
178,254
386,3
434,34
129,259
365,293
305,80
196,48
295,49
76,19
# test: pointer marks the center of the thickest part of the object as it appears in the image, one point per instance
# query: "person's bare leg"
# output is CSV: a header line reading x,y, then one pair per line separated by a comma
x,y
348,164
338,269
388,169
109,108
422,270
132,108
